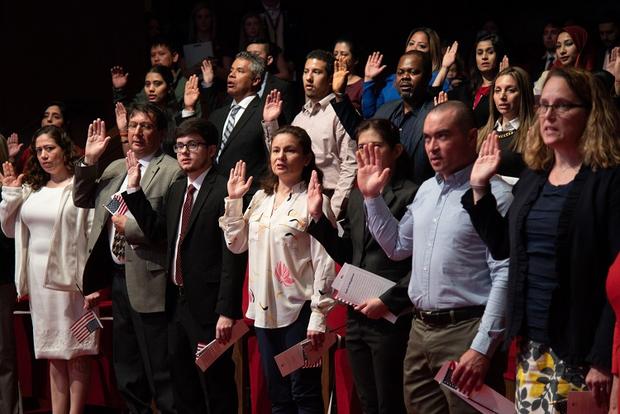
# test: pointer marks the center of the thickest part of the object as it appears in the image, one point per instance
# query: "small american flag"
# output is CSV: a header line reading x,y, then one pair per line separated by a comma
x,y
87,324
200,349
116,206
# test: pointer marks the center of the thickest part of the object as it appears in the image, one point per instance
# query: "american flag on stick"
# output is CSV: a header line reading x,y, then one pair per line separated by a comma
x,y
116,206
87,324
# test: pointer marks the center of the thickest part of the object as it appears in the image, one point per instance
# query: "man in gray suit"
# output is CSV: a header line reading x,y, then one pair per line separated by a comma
x,y
121,256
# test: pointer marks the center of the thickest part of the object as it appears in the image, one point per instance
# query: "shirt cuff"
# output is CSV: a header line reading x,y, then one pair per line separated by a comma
x,y
487,342
186,114
317,322
131,190
233,207
373,205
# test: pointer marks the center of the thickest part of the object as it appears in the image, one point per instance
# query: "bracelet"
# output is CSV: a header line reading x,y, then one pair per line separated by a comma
x,y
339,94
479,187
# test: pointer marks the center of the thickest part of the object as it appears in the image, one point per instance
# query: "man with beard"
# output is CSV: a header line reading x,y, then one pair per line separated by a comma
x,y
407,114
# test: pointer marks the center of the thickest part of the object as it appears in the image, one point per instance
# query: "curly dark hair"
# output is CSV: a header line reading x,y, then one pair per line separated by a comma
x,y
35,175
270,182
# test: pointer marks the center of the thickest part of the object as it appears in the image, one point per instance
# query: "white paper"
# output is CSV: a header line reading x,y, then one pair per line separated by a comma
x,y
302,355
486,400
355,286
215,349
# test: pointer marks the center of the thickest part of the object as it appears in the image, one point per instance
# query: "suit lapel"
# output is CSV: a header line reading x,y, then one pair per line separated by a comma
x,y
205,189
247,114
151,172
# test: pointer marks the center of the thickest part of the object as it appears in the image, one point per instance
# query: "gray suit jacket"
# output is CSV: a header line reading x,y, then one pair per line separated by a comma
x,y
145,267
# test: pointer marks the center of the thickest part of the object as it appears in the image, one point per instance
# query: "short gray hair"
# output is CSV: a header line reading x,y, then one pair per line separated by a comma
x,y
257,65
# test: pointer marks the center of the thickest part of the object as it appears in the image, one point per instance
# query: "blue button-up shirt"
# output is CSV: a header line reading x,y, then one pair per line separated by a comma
x,y
451,265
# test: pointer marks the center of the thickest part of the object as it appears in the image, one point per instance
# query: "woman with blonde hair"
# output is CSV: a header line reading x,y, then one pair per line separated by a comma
x,y
511,114
561,234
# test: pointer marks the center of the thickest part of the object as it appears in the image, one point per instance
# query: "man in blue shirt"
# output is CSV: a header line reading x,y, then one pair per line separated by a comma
x,y
457,289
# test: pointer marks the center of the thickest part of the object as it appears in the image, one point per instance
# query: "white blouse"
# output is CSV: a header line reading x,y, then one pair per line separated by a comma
x,y
287,266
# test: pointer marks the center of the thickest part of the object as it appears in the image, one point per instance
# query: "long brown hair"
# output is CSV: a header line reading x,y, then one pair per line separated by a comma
x,y
269,183
599,143
35,175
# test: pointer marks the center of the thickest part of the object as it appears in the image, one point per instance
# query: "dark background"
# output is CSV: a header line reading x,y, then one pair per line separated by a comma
x,y
64,49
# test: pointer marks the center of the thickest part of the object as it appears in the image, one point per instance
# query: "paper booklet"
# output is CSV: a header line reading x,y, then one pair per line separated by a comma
x,y
208,353
302,355
486,399
355,286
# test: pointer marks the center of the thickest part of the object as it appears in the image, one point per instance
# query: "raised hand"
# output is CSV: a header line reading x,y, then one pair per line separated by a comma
x,y
373,66
8,178
207,72
371,176
191,94
341,75
13,145
121,117
273,106
487,163
440,98
133,170
237,184
504,63
450,56
315,197
119,77
96,142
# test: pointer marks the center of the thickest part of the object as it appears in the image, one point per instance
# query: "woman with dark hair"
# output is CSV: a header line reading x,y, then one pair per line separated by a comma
x,y
375,347
290,274
511,116
488,53
346,54
561,234
50,238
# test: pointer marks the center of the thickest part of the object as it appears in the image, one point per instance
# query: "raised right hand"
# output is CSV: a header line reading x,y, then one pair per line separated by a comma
x,y
133,170
119,77
373,66
315,197
96,142
121,117
237,184
13,145
487,162
371,176
8,178
273,106
207,72
450,56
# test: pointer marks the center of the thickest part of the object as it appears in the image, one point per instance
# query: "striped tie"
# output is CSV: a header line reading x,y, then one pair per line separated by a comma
x,y
229,127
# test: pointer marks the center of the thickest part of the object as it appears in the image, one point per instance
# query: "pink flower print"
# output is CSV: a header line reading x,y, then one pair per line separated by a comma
x,y
283,274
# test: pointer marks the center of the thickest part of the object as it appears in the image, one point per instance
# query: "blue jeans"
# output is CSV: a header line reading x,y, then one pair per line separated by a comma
x,y
299,392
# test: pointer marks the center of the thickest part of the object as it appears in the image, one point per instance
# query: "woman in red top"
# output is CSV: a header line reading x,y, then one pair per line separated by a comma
x,y
613,294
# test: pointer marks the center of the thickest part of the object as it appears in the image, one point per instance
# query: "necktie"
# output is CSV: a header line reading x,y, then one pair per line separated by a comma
x,y
228,129
118,246
185,214
550,61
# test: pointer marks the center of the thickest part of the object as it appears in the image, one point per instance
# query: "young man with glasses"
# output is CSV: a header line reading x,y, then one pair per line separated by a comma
x,y
205,278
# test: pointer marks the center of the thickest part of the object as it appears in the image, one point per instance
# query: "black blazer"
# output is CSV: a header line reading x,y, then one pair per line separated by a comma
x,y
212,275
358,247
246,141
581,321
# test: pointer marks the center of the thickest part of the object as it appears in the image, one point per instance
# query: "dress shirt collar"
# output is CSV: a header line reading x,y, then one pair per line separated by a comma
x,y
457,179
197,183
244,102
512,125
312,107
145,161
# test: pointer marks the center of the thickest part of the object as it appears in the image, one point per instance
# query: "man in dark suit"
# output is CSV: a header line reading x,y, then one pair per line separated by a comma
x,y
239,124
119,255
264,49
205,278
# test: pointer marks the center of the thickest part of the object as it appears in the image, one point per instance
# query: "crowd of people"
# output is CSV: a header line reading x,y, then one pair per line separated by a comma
x,y
489,196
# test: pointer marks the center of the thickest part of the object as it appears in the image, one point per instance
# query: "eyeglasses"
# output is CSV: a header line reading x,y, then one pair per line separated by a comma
x,y
559,108
145,126
191,146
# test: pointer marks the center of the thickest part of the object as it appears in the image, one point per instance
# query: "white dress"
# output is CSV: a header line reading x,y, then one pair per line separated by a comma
x,y
53,311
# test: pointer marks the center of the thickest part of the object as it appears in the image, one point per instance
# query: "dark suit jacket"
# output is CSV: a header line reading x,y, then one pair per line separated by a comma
x,y
358,247
144,265
246,142
212,275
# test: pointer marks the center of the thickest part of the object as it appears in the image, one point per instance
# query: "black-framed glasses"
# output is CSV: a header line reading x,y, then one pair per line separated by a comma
x,y
559,108
192,146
